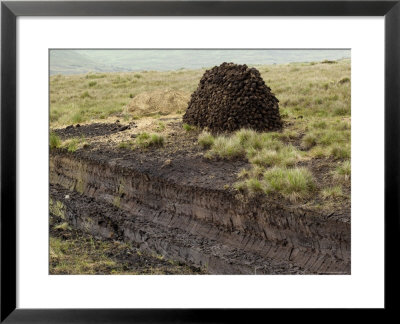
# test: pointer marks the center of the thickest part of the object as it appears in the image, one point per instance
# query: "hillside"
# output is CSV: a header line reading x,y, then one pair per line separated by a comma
x,y
74,62
83,61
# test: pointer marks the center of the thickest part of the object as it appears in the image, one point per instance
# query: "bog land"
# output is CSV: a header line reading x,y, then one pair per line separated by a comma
x,y
118,146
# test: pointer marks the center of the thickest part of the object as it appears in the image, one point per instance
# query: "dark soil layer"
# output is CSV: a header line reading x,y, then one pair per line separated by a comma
x,y
151,232
92,130
230,97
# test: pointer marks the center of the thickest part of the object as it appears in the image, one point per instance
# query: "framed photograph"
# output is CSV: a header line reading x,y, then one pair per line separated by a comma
x,y
167,161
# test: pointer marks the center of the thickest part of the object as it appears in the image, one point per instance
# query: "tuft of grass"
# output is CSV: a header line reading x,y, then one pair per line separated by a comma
x,y
55,141
145,140
325,139
187,127
160,127
92,84
254,185
261,149
343,171
308,141
344,80
227,148
85,95
73,144
291,183
340,151
64,227
328,62
77,118
206,140
125,145
332,192
285,156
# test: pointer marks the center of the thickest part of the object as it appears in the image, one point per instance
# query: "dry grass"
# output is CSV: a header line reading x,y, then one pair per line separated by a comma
x,y
76,99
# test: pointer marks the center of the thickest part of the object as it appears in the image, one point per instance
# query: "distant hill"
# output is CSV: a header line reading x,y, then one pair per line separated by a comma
x,y
83,61
74,62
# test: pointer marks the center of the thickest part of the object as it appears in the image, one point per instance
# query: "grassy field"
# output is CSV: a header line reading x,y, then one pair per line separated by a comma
x,y
314,104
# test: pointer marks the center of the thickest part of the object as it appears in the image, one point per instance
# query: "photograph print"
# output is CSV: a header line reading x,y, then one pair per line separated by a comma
x,y
200,161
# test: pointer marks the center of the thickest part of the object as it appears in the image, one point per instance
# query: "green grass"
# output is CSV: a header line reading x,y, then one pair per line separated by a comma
x,y
73,144
145,140
283,156
63,226
293,184
332,192
206,140
309,141
160,127
342,172
323,90
262,149
85,95
226,147
188,127
55,141
125,145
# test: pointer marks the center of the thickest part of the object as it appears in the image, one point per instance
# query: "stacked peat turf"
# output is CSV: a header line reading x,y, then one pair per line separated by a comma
x,y
230,97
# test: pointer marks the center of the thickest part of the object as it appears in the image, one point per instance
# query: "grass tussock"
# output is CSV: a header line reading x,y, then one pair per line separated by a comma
x,y
73,144
332,192
293,184
206,139
226,147
63,226
125,145
261,149
55,141
188,127
328,139
145,140
343,172
160,127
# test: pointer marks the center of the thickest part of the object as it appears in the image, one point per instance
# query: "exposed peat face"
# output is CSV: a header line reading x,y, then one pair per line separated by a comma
x,y
183,211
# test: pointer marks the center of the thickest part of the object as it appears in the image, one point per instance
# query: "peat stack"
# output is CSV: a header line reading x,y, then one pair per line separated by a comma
x,y
230,97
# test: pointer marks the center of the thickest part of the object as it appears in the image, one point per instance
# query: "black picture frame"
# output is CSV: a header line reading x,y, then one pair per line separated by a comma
x,y
11,10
